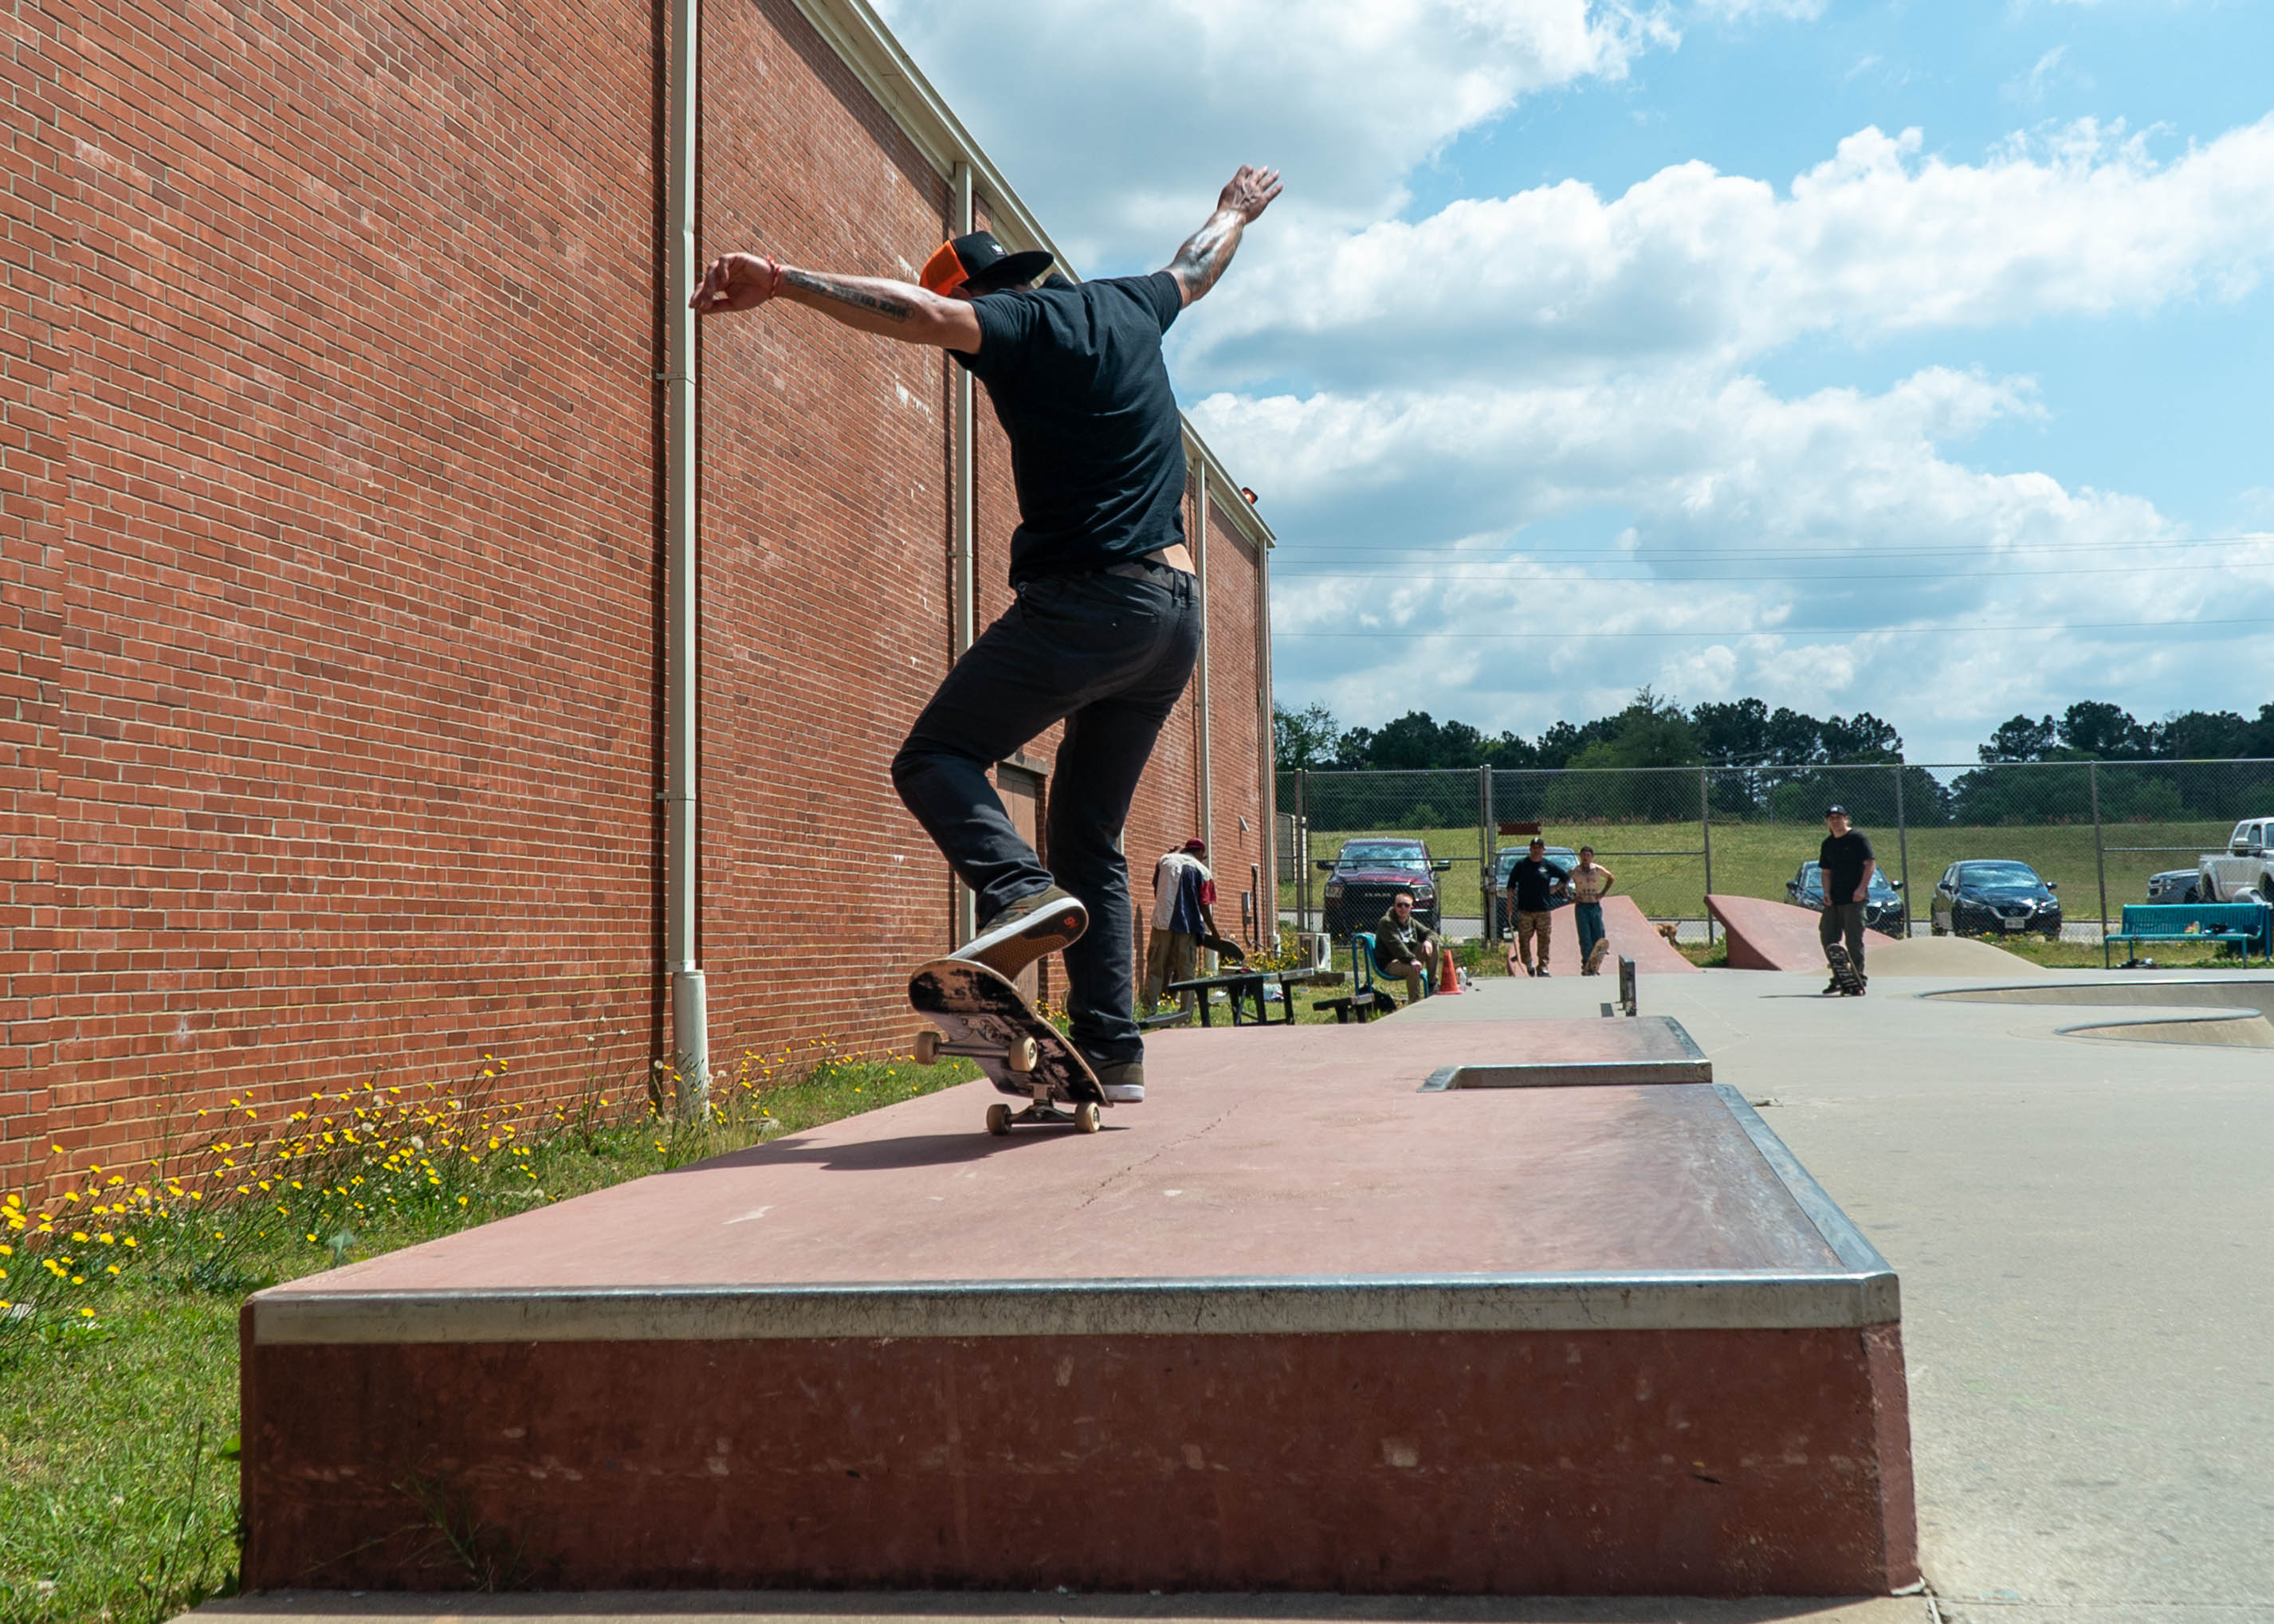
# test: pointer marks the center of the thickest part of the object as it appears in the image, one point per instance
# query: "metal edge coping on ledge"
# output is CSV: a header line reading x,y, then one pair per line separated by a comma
x,y
1704,1299
1838,1229
1572,1074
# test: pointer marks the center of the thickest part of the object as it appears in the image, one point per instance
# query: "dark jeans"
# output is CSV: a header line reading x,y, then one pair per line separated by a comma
x,y
1588,916
1109,655
1843,919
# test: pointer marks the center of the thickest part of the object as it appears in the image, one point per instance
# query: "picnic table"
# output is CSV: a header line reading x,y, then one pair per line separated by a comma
x,y
1243,988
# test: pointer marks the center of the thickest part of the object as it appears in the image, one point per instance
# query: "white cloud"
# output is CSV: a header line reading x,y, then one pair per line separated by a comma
x,y
1856,516
1124,119
1692,263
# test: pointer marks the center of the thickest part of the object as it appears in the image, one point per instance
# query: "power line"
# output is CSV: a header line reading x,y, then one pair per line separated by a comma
x,y
1802,631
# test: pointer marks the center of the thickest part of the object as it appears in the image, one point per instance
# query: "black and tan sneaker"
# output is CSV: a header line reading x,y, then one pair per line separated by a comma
x,y
1124,1081
1028,929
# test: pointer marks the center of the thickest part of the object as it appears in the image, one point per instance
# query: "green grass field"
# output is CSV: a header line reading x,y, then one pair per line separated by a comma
x,y
1755,860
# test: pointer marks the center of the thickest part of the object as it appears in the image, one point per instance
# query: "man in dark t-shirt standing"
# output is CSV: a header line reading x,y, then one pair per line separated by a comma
x,y
1844,866
1106,627
1534,881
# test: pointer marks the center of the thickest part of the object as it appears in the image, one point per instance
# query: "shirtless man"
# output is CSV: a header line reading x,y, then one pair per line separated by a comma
x,y
1106,627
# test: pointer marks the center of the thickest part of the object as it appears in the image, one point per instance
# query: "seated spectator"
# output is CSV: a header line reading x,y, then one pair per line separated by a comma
x,y
1404,946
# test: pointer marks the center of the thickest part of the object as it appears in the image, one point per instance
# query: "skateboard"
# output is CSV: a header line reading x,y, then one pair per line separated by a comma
x,y
1595,956
984,1017
1844,974
1230,952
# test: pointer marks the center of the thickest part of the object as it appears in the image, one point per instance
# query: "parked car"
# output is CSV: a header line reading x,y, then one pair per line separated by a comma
x,y
1883,899
2174,885
1995,898
2247,864
1371,869
1562,859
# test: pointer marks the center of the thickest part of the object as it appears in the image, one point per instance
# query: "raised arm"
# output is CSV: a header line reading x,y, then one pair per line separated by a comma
x,y
1206,253
896,309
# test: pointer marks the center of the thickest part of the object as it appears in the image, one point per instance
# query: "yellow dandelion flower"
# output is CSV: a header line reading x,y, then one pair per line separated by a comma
x,y
130,1241
79,1234
87,1313
111,1269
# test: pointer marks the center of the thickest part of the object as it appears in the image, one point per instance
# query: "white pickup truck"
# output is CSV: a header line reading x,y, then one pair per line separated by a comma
x,y
2246,865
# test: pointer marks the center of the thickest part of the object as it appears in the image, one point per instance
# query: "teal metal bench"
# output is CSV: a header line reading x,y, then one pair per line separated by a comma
x,y
2247,923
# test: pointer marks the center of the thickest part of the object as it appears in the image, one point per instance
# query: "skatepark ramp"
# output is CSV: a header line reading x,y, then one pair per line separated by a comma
x,y
1767,935
1630,935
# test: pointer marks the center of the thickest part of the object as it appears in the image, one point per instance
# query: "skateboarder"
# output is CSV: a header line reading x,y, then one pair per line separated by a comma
x,y
1844,865
1105,628
1589,883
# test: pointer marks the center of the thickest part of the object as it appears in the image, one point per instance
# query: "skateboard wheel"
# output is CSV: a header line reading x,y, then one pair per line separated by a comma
x,y
999,1120
1022,1055
1085,1116
928,1048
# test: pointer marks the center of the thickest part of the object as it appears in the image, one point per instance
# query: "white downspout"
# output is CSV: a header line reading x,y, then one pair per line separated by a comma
x,y
690,1036
1200,676
966,567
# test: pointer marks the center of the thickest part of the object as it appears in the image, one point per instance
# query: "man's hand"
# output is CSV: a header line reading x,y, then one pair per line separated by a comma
x,y
1206,253
1249,192
736,282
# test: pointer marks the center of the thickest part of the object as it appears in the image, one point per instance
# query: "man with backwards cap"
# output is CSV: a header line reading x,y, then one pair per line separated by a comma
x,y
1105,628
1844,868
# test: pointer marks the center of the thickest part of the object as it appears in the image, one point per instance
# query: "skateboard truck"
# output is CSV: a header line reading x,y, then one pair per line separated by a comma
x,y
1083,1118
1018,1056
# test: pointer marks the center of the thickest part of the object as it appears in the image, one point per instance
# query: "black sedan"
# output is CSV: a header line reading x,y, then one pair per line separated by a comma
x,y
1883,899
1999,897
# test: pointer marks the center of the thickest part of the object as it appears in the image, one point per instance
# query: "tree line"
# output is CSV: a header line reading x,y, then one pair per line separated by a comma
x,y
1779,764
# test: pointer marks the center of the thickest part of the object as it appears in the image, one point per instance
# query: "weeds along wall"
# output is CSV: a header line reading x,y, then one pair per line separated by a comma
x,y
331,442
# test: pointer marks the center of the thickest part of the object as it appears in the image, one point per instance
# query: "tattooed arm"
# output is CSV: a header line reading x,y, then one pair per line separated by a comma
x,y
897,310
1210,250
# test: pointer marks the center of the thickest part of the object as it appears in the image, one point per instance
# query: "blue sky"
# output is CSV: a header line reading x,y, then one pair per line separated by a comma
x,y
1901,357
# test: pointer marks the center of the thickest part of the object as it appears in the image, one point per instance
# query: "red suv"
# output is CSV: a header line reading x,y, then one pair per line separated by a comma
x,y
1370,870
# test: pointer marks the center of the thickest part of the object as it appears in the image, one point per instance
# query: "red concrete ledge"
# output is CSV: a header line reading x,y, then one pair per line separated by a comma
x,y
1768,935
1297,1325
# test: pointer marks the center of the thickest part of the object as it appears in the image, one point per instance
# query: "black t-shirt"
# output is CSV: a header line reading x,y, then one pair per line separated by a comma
x,y
1098,451
1535,880
1843,858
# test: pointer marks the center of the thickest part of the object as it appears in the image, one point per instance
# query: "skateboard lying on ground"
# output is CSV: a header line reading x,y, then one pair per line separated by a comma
x,y
1844,974
984,1017
1594,965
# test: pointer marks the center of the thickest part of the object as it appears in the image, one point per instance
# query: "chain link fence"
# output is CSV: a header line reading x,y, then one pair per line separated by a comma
x,y
2097,830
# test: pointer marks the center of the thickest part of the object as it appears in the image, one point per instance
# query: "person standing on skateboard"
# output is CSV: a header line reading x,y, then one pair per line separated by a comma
x,y
1105,629
1844,865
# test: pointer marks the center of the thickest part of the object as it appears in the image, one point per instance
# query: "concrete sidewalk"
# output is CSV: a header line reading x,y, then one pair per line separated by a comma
x,y
2081,1227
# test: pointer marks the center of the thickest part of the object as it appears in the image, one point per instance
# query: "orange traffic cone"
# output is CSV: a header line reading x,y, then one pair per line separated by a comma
x,y
1449,974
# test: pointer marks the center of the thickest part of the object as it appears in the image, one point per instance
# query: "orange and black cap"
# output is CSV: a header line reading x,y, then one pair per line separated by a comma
x,y
978,262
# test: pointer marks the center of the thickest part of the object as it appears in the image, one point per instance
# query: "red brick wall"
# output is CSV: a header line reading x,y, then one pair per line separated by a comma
x,y
339,641
328,447
1235,745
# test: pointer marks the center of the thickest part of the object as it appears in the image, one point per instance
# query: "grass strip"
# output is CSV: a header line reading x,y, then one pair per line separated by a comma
x,y
119,1351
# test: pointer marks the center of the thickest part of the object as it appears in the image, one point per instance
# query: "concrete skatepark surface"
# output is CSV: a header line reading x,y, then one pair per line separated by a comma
x,y
2080,1231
